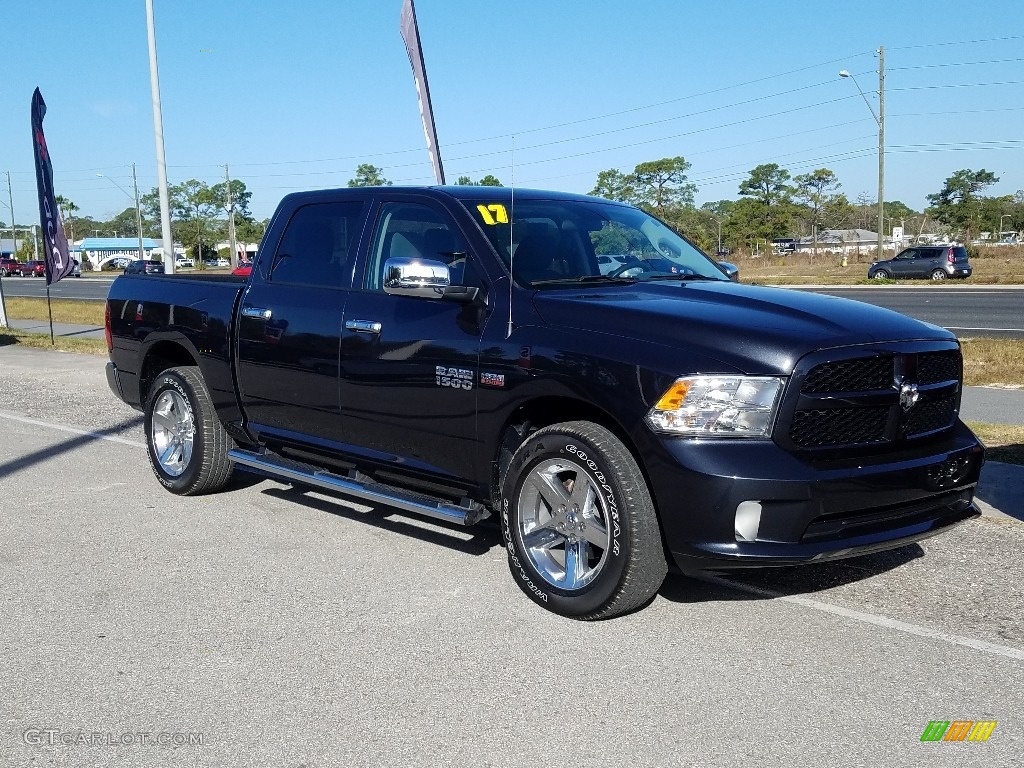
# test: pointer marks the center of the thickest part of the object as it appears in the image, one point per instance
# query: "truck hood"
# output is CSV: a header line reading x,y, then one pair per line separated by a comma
x,y
752,329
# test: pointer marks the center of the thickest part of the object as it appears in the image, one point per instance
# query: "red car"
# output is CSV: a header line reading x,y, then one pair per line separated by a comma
x,y
243,269
8,266
31,269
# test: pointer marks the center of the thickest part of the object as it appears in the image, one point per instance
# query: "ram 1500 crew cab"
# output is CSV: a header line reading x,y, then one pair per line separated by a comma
x,y
461,352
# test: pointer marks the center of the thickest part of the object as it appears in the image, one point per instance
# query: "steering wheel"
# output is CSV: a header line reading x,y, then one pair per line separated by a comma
x,y
643,266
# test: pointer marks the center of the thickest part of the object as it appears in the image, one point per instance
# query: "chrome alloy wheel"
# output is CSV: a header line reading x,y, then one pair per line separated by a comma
x,y
172,433
563,524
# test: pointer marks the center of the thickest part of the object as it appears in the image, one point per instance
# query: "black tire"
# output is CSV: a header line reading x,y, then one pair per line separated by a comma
x,y
577,460
881,274
180,413
938,274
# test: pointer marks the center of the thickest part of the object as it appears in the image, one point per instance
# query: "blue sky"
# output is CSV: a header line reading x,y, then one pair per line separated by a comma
x,y
295,95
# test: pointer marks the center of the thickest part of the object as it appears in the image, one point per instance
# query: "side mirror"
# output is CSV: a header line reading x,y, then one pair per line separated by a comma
x,y
423,279
731,270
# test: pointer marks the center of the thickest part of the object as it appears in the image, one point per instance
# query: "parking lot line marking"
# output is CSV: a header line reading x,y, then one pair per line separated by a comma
x,y
871,618
961,328
73,430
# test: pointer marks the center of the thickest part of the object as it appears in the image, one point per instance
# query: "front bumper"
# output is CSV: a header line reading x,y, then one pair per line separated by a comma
x,y
810,511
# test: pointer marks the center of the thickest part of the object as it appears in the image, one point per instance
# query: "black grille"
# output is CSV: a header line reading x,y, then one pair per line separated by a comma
x,y
838,426
930,416
853,402
860,375
935,367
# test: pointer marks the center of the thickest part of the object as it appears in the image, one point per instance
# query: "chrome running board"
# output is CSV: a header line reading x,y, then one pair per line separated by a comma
x,y
377,493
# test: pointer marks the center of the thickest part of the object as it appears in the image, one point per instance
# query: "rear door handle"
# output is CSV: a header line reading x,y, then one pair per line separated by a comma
x,y
363,326
260,312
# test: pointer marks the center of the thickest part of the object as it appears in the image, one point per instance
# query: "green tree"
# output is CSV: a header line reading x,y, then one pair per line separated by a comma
x,y
125,223
240,197
958,204
661,184
249,230
67,212
193,208
817,191
368,175
614,185
771,214
486,181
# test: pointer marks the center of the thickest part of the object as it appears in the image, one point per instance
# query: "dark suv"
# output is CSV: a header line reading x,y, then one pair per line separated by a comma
x,y
935,261
145,267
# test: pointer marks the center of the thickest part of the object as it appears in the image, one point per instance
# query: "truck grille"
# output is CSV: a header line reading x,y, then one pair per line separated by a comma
x,y
849,399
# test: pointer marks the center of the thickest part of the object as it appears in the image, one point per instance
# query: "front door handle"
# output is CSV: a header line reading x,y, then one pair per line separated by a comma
x,y
363,326
260,312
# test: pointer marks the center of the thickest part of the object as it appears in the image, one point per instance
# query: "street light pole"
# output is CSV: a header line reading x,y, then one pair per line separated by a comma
x,y
158,137
138,208
880,119
138,211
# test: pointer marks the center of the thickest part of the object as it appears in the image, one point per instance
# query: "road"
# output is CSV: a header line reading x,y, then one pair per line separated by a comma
x,y
89,288
968,311
965,310
290,630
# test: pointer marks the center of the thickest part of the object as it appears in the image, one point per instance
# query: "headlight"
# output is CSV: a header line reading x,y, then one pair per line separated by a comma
x,y
734,406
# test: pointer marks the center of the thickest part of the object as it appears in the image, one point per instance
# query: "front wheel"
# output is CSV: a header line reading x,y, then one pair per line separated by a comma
x,y
579,523
188,447
881,275
938,274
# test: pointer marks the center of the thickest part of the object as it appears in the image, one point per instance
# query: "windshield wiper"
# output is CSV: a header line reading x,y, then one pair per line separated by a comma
x,y
585,279
680,277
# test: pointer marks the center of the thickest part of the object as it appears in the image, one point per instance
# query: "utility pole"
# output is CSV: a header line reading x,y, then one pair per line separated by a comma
x,y
158,137
138,212
14,232
3,305
881,145
231,219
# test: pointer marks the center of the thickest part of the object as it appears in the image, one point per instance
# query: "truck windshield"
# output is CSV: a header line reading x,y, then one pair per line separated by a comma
x,y
554,242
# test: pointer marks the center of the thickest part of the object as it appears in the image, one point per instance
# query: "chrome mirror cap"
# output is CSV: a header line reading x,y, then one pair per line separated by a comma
x,y
415,277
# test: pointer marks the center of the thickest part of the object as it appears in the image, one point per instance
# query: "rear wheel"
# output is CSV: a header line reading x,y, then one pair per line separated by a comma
x,y
579,523
188,447
938,274
881,274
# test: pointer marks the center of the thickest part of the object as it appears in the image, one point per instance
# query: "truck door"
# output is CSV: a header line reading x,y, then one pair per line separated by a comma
x,y
409,366
289,325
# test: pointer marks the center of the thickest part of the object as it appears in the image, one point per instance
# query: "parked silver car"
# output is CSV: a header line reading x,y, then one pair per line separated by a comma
x,y
929,261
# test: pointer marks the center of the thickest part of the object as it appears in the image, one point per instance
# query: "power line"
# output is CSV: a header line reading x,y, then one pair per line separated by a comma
x,y
958,42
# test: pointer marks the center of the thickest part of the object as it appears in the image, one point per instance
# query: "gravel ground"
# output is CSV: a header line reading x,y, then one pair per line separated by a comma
x,y
291,630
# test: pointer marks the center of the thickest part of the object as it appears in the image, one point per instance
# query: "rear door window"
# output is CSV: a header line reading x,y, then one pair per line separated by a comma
x,y
318,245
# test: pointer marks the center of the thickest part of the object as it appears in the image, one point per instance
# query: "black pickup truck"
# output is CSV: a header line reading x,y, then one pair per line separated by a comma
x,y
459,352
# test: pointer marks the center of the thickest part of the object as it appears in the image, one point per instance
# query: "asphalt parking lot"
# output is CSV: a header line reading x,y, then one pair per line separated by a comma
x,y
290,630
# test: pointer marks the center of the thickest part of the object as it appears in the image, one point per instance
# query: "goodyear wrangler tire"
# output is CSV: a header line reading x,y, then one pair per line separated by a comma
x,y
579,524
187,445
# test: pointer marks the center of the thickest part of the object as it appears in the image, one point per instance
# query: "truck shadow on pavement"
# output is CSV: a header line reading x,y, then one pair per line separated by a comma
x,y
1002,484
70,444
785,581
474,540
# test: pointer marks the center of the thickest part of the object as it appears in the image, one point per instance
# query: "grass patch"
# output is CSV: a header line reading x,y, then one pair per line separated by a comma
x,y
64,310
1003,442
993,361
992,265
60,343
